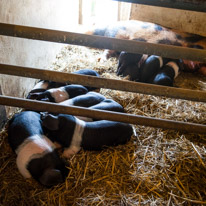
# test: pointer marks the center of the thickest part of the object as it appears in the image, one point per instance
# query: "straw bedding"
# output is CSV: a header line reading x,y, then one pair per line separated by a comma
x,y
156,167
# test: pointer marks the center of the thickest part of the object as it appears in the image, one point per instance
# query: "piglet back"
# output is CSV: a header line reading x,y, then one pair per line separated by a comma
x,y
105,133
22,126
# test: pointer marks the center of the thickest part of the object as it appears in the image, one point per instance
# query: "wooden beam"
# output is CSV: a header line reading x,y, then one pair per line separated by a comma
x,y
132,46
192,5
100,114
129,86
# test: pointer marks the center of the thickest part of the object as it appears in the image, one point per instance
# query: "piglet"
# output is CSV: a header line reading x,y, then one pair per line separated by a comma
x,y
41,86
128,64
89,72
60,94
85,100
108,105
167,74
158,70
74,134
93,100
150,68
36,154
40,91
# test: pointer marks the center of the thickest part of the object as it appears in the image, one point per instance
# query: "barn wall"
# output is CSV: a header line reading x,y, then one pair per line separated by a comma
x,y
189,21
52,14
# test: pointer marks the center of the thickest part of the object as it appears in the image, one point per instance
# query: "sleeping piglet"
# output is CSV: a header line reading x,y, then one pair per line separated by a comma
x,y
93,100
128,64
73,134
59,94
36,154
56,91
89,72
85,100
167,74
158,70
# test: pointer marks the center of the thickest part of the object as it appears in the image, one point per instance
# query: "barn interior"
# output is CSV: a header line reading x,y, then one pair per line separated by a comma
x,y
158,166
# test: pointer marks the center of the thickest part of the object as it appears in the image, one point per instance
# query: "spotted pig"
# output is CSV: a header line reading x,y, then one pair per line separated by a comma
x,y
153,33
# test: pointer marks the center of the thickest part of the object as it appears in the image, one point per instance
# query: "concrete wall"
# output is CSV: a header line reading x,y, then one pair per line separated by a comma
x,y
52,14
189,21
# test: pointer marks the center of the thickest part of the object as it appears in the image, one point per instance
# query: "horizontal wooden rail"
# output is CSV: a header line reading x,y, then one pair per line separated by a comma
x,y
192,5
129,86
100,114
132,46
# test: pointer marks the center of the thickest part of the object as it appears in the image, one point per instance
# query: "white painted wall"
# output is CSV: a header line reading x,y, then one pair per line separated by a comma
x,y
52,14
189,21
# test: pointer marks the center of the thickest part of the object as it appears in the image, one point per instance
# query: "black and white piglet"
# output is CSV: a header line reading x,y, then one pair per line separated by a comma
x,y
128,64
36,154
148,69
59,94
86,100
158,70
166,74
88,72
73,134
56,91
93,100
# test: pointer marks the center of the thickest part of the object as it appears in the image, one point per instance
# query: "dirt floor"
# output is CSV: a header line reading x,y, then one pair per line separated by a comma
x,y
156,167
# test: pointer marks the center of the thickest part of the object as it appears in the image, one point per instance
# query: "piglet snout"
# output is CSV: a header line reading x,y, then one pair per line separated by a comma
x,y
51,177
128,65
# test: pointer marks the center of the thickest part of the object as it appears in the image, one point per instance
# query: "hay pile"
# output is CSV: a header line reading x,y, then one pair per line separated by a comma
x,y
157,167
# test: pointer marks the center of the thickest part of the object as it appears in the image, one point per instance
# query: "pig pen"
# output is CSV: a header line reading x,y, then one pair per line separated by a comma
x,y
156,167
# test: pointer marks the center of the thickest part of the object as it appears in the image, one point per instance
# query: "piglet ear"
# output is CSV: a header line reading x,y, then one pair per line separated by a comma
x,y
50,121
51,177
120,69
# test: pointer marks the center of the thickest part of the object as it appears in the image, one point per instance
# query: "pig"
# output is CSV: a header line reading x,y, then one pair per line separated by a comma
x,y
73,134
37,156
152,33
56,91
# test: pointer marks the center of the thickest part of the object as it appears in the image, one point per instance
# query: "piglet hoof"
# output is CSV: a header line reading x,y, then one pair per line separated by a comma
x,y
57,145
69,152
